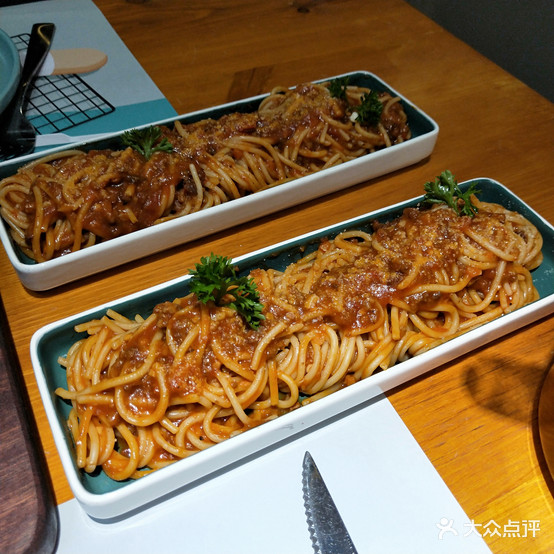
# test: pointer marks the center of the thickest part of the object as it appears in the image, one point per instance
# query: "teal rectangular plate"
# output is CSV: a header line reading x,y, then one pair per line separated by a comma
x,y
103,497
117,251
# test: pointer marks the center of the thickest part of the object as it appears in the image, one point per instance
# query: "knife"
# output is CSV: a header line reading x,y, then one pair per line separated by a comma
x,y
327,530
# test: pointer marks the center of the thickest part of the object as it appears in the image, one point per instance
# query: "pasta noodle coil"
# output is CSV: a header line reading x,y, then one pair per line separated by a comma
x,y
146,392
72,200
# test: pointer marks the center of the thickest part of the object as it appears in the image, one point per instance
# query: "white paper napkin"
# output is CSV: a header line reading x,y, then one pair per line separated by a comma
x,y
390,497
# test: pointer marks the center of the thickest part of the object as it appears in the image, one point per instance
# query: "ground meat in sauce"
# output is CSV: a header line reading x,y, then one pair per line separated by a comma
x,y
351,297
121,192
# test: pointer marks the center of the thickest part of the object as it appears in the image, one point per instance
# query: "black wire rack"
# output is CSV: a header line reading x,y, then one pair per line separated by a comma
x,y
60,102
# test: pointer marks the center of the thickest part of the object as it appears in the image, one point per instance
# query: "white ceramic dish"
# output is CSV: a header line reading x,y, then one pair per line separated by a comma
x,y
103,498
56,272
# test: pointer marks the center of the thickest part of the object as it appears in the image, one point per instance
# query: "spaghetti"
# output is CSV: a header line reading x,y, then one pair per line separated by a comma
x,y
146,392
73,199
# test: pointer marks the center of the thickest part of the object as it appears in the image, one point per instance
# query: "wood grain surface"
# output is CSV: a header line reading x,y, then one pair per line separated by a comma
x,y
476,417
28,511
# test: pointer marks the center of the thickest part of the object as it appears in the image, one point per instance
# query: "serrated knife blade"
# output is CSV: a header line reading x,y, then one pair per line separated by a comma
x,y
327,530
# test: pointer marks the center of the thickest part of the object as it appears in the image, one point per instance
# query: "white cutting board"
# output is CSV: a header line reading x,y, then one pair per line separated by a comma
x,y
389,495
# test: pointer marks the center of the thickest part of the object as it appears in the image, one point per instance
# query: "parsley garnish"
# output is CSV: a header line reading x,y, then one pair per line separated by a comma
x,y
445,189
368,112
146,141
216,280
370,109
337,87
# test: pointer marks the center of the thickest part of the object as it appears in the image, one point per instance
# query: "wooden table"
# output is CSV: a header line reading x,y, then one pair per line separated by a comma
x,y
475,418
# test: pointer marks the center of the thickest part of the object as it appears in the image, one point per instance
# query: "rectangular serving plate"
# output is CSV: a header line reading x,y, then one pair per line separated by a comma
x,y
104,498
136,245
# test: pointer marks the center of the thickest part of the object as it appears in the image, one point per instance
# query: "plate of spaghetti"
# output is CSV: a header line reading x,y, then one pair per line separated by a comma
x,y
158,390
67,214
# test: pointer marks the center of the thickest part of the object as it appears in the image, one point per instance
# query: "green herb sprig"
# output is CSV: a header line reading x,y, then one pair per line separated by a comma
x,y
337,87
368,112
147,141
215,279
445,189
370,109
